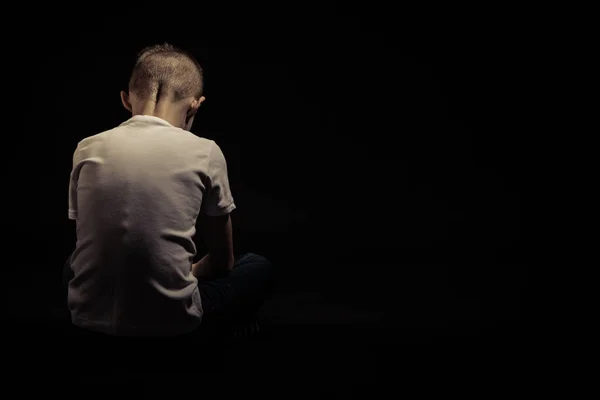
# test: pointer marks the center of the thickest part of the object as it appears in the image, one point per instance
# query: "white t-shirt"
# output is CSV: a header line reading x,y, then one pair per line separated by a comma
x,y
135,192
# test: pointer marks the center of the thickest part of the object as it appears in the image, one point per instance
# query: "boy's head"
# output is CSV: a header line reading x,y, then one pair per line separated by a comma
x,y
166,82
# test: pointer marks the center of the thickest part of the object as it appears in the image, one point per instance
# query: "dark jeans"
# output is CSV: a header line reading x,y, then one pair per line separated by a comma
x,y
229,301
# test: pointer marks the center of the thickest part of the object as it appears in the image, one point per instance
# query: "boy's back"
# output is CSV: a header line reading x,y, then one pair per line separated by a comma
x,y
136,192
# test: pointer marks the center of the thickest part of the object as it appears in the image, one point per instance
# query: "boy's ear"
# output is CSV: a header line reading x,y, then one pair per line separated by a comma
x,y
125,100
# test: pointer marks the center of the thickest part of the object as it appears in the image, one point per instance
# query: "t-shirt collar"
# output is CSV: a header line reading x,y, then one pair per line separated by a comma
x,y
147,119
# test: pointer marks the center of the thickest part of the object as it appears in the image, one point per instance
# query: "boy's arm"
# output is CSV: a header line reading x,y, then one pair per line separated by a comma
x,y
217,233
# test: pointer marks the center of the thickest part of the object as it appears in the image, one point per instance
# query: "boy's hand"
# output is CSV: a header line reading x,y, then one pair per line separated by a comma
x,y
201,268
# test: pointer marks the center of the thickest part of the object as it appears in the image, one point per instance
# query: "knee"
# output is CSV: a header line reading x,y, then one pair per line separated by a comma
x,y
261,262
253,257
258,259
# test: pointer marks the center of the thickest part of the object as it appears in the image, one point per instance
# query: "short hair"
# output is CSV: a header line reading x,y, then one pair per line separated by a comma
x,y
162,67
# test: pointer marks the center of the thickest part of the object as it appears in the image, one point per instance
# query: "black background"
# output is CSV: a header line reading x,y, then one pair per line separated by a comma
x,y
376,157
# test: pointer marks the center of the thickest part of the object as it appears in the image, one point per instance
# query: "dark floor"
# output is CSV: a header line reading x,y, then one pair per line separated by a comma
x,y
345,326
341,320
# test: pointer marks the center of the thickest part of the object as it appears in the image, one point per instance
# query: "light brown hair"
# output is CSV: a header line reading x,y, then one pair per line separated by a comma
x,y
163,68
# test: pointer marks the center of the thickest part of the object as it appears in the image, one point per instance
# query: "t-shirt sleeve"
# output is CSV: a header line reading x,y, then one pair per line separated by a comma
x,y
217,199
73,192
